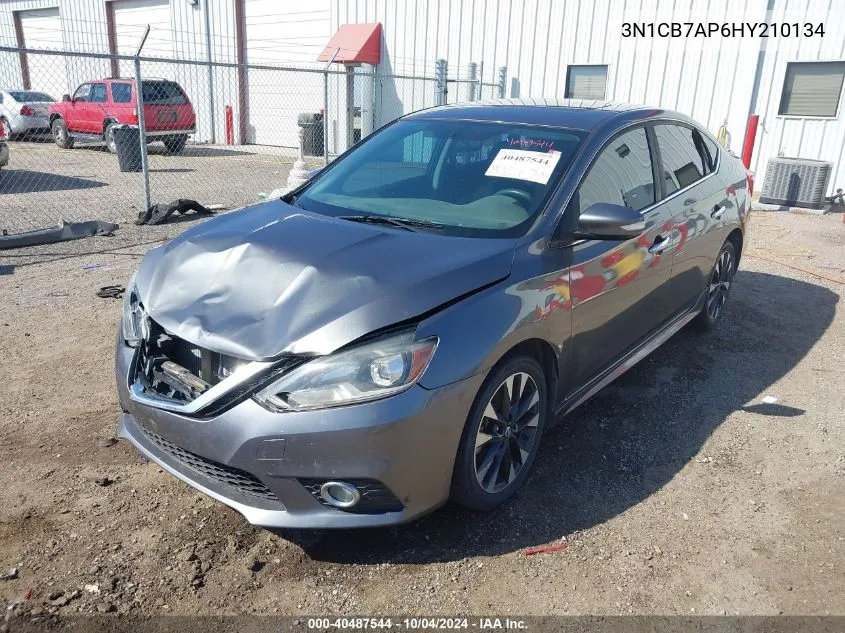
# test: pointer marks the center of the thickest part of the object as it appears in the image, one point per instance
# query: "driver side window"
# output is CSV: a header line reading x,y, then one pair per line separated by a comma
x,y
82,93
621,174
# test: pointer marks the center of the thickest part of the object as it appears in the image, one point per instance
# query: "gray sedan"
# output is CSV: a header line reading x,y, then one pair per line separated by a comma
x,y
403,329
24,112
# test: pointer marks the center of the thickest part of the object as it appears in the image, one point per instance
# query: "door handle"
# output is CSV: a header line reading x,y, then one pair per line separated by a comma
x,y
717,212
661,242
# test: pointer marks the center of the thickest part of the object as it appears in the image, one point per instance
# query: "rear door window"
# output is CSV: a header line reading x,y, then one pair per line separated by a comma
x,y
121,93
98,93
684,159
622,174
162,93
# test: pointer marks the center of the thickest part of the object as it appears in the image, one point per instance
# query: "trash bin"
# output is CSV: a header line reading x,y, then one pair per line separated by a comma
x,y
127,140
312,139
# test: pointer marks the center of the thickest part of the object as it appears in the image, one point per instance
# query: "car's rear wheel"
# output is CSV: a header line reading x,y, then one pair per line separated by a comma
x,y
718,288
502,435
108,137
175,144
60,134
6,127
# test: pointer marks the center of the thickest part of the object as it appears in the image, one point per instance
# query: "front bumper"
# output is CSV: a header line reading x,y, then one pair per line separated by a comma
x,y
264,464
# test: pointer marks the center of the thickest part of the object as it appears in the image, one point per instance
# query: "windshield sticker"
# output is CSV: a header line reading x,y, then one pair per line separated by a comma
x,y
527,143
523,165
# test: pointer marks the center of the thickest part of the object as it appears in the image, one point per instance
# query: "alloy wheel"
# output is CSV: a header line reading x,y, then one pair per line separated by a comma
x,y
507,432
59,134
7,129
720,284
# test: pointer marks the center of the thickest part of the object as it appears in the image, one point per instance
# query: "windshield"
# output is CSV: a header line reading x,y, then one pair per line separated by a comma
x,y
162,93
28,96
476,179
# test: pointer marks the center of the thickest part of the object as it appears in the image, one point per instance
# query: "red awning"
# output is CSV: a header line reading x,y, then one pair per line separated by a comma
x,y
354,44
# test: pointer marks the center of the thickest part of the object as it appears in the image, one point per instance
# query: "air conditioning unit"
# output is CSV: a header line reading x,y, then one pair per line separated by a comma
x,y
796,182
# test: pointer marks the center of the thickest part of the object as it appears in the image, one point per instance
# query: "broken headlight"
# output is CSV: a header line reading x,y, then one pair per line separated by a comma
x,y
135,323
368,372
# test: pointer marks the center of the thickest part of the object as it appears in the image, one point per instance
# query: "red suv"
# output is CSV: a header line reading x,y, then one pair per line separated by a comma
x,y
98,105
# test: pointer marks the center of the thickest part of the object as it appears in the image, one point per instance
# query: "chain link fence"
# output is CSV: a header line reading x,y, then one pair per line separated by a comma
x,y
223,134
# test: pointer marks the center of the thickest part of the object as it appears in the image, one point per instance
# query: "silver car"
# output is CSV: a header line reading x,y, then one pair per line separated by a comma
x,y
403,328
24,112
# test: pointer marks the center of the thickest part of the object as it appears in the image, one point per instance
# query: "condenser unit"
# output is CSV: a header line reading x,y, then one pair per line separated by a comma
x,y
796,182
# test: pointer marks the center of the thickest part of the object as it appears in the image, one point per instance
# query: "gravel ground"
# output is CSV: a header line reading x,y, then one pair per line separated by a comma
x,y
677,490
44,184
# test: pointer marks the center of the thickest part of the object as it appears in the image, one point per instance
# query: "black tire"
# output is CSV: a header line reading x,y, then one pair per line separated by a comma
x,y
108,137
175,144
718,288
60,134
472,485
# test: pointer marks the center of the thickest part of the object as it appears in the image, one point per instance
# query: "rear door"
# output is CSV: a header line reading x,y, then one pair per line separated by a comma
x,y
698,200
619,288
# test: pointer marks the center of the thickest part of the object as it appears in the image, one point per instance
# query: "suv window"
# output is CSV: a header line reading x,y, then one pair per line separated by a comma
x,y
121,93
98,93
82,93
621,174
162,93
682,156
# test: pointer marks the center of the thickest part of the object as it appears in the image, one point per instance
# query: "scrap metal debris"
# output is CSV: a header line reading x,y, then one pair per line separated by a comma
x,y
111,292
158,213
545,549
59,233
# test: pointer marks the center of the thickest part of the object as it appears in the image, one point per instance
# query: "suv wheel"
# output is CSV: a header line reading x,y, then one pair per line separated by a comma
x,y
175,144
60,134
502,435
108,137
718,288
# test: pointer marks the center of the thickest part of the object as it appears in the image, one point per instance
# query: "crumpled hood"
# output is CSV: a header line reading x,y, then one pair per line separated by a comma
x,y
272,279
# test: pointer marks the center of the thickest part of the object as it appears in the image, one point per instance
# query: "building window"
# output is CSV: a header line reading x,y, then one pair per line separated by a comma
x,y
586,82
812,88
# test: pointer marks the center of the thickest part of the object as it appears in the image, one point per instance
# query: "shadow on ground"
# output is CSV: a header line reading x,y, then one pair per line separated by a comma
x,y
26,181
625,443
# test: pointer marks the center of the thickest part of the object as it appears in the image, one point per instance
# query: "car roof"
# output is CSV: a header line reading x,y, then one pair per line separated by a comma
x,y
579,114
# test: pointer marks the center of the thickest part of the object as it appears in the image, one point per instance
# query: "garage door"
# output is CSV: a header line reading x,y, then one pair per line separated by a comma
x,y
130,19
43,29
283,33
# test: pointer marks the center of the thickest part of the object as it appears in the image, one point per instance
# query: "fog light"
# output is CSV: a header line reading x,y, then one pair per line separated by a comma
x,y
339,494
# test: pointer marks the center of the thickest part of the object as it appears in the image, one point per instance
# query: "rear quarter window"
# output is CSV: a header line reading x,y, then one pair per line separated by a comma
x,y
121,93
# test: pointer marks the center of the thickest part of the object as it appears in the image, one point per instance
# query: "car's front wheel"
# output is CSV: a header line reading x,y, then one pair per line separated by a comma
x,y
60,134
502,435
718,288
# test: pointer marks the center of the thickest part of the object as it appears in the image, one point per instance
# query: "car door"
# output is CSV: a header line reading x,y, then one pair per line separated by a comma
x,y
698,200
76,116
96,112
619,289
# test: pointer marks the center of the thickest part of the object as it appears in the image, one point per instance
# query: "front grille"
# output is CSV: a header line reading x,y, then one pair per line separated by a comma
x,y
376,498
241,481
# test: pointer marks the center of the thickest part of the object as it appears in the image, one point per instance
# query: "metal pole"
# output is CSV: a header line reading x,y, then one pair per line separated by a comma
x,y
210,71
480,93
326,108
472,76
142,128
503,79
440,82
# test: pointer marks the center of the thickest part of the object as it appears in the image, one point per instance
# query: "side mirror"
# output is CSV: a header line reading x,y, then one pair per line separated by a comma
x,y
65,97
605,221
314,172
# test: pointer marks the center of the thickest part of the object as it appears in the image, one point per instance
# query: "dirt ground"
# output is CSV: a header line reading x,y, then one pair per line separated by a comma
x,y
677,490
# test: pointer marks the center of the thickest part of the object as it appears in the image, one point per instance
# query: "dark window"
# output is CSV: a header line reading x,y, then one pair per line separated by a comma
x,y
683,162
621,174
812,88
121,93
82,93
712,152
98,93
586,82
30,96
163,93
